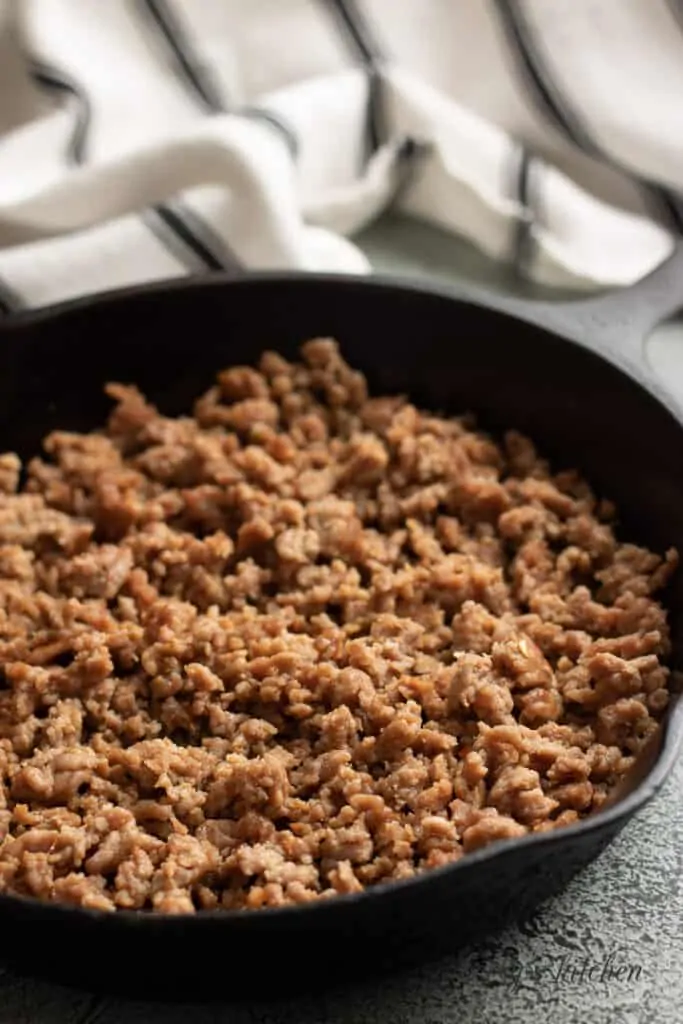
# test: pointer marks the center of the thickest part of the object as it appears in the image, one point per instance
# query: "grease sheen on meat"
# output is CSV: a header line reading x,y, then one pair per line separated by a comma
x,y
304,641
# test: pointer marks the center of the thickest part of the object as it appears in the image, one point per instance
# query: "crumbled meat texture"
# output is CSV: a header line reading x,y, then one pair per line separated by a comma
x,y
304,641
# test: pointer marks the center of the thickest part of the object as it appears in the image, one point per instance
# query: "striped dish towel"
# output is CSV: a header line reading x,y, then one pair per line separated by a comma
x,y
145,139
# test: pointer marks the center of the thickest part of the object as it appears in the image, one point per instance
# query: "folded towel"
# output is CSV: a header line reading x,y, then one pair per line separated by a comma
x,y
146,139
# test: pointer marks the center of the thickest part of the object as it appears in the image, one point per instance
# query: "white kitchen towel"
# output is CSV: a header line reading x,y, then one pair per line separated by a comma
x,y
144,139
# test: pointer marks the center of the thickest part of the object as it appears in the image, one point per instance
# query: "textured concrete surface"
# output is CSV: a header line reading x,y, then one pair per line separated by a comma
x,y
609,950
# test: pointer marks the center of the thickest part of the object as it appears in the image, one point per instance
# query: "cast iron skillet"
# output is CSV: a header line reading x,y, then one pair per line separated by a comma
x,y
572,376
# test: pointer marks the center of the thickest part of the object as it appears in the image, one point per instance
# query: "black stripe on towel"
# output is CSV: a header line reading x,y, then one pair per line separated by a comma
x,y
671,203
406,166
187,67
674,200
173,232
358,31
523,236
559,112
211,245
57,81
366,49
539,80
175,222
275,121
197,79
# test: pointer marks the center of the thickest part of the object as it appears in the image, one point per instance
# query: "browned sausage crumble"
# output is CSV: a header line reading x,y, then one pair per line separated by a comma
x,y
303,642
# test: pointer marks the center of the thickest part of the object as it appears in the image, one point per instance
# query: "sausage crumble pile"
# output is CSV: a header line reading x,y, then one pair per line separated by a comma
x,y
302,642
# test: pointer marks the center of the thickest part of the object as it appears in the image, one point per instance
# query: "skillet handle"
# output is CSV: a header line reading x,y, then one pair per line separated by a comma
x,y
621,321
618,323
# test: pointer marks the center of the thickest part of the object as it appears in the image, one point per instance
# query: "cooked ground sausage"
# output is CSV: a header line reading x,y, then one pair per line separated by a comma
x,y
304,641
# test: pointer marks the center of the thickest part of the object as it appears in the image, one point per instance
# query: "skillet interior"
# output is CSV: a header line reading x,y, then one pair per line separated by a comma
x,y
450,356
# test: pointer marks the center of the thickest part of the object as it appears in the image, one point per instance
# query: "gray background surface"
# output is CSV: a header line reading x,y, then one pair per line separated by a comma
x,y
625,909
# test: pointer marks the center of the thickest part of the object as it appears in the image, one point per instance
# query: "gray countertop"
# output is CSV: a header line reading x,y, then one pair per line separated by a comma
x,y
609,950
